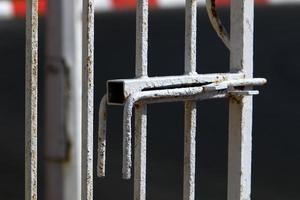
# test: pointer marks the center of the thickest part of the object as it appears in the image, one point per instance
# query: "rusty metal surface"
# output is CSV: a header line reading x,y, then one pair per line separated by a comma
x,y
120,89
87,99
181,94
102,137
217,23
31,104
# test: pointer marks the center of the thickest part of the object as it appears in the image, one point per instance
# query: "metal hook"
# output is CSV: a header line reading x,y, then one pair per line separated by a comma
x,y
217,23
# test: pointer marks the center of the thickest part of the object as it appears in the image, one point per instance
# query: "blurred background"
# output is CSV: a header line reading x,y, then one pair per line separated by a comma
x,y
276,149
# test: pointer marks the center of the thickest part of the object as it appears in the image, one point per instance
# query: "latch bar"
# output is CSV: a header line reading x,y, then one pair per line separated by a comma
x,y
118,90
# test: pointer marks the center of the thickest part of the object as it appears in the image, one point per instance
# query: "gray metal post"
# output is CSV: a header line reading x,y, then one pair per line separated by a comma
x,y
240,108
63,100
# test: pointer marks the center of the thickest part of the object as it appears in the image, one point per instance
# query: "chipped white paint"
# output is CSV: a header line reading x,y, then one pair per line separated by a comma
x,y
240,110
140,152
102,137
190,37
87,99
190,124
130,86
190,108
216,22
31,106
141,60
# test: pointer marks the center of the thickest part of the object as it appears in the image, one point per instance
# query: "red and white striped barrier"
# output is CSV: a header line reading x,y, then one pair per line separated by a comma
x,y
16,8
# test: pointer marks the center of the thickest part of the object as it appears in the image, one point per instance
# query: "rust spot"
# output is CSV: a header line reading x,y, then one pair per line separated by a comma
x,y
105,116
213,9
137,106
235,99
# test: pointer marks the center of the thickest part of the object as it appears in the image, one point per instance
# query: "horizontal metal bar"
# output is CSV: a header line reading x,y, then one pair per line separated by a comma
x,y
119,90
235,83
244,92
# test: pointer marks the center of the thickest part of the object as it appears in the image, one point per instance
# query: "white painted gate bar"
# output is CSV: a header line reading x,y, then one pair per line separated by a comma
x,y
240,109
190,107
87,99
140,147
31,100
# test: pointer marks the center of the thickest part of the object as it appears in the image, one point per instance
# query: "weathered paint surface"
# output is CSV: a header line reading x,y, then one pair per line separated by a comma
x,y
141,62
140,149
190,125
240,112
31,106
102,137
217,23
130,86
87,99
139,188
182,94
190,108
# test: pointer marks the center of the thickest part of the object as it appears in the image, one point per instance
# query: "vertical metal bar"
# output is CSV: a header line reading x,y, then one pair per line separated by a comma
x,y
141,110
31,104
190,36
63,100
140,152
240,109
189,150
141,38
190,106
87,99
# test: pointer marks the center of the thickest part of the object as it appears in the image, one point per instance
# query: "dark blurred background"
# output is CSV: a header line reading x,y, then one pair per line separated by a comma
x,y
276,149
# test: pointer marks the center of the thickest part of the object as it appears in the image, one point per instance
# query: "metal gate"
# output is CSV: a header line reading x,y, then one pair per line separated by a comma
x,y
135,94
